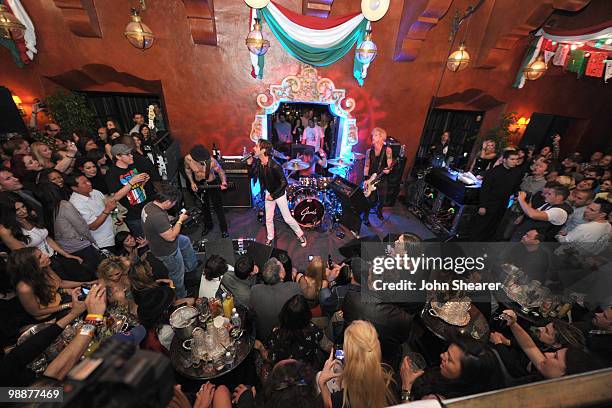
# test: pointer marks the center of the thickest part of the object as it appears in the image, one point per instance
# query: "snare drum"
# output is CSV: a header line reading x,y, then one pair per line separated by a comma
x,y
307,207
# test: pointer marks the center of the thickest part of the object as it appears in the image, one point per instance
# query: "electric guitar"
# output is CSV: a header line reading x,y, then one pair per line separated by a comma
x,y
161,161
369,185
204,186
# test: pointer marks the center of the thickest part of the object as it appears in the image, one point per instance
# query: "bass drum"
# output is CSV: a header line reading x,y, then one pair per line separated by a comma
x,y
306,207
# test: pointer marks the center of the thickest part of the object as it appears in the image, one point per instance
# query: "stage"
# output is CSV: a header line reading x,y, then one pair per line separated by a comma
x,y
243,224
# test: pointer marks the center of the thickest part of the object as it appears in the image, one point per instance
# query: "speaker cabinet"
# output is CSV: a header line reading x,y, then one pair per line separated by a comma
x,y
260,253
223,247
241,195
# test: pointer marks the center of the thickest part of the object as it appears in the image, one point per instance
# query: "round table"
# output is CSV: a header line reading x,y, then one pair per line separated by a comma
x,y
531,317
179,356
478,327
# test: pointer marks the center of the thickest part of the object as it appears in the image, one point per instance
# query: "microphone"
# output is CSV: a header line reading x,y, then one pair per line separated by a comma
x,y
247,157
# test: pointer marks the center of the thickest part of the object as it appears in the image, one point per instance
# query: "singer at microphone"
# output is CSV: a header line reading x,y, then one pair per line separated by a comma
x,y
247,157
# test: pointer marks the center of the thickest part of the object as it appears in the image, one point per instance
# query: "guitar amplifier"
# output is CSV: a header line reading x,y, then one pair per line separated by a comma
x,y
240,196
350,194
237,172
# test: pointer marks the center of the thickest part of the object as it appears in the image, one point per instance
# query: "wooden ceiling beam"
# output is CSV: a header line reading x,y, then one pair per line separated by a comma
x,y
418,18
530,16
81,17
201,19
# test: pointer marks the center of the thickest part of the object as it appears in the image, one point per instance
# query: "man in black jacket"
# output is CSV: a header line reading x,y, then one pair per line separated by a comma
x,y
272,180
498,184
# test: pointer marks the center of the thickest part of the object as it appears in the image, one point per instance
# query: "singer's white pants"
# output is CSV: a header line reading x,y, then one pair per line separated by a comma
x,y
284,209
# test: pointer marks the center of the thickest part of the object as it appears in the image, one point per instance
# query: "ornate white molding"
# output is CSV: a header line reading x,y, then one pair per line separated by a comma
x,y
306,87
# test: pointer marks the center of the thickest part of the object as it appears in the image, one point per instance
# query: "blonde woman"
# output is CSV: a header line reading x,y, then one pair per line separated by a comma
x,y
485,159
364,381
113,274
44,155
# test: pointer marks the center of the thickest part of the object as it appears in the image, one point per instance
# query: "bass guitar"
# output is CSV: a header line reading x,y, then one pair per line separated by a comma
x,y
369,185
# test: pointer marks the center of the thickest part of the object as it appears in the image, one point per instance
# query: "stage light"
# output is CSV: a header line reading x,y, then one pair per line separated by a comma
x,y
458,60
10,27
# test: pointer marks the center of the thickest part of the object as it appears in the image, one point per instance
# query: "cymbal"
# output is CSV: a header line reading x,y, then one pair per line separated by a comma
x,y
279,155
358,156
340,162
340,171
295,164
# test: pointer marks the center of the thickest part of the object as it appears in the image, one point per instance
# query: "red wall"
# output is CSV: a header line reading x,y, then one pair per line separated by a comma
x,y
210,95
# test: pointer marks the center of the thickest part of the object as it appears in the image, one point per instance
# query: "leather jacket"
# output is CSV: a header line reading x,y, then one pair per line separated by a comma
x,y
271,177
392,322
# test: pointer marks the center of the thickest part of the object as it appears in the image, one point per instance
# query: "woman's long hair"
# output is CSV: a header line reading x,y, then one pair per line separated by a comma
x,y
480,371
50,196
8,216
141,276
291,383
120,238
365,381
110,265
315,271
294,318
24,266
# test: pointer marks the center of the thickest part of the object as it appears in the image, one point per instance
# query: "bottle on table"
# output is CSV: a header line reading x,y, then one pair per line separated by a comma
x,y
236,321
229,359
228,305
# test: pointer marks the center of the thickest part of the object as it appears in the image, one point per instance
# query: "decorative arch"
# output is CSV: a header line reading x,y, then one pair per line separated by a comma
x,y
308,87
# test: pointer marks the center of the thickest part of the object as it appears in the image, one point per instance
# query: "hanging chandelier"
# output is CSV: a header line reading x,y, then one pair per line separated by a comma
x,y
458,60
366,51
255,41
138,33
535,69
10,27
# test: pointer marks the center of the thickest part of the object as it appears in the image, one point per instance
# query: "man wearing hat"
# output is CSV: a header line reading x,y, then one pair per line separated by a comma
x,y
128,182
202,170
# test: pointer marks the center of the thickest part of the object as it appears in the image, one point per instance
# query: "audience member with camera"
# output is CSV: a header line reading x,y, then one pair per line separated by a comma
x,y
165,240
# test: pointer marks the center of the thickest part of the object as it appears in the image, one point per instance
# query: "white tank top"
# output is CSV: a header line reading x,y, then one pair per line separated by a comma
x,y
38,239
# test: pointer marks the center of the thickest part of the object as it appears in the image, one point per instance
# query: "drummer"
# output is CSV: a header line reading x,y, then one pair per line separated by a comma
x,y
317,162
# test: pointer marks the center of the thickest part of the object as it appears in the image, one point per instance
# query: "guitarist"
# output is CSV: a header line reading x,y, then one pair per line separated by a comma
x,y
202,170
379,158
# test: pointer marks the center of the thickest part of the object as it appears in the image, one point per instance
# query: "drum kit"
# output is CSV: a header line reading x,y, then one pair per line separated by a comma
x,y
311,198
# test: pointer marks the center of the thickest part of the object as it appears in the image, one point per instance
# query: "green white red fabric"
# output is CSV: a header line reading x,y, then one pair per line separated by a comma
x,y
555,45
315,41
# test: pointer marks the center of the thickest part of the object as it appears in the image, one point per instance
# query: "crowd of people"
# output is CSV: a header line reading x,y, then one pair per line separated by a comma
x,y
563,200
89,228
